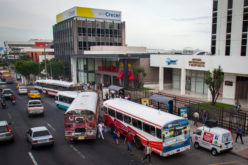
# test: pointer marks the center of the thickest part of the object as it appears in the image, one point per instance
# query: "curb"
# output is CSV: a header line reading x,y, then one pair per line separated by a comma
x,y
236,154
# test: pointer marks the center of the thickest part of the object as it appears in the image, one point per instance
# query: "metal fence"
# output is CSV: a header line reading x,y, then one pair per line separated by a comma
x,y
228,118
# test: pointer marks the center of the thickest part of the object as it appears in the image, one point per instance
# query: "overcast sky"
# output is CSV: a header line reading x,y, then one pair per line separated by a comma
x,y
156,24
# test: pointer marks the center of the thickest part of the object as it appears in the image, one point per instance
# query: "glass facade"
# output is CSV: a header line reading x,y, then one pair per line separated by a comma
x,y
86,70
194,81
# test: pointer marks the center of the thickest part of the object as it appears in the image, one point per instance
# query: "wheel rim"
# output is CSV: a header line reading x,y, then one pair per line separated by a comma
x,y
214,152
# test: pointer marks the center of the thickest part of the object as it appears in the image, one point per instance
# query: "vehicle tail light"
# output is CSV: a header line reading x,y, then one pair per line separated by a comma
x,y
35,141
28,109
51,138
43,108
9,129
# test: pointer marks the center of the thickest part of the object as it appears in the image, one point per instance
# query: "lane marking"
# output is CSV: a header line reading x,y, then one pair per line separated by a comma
x,y
78,152
224,163
32,158
10,117
49,125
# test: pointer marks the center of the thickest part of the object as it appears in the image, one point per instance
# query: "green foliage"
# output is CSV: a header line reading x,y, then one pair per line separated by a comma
x,y
55,68
26,68
209,106
2,64
24,58
139,75
214,81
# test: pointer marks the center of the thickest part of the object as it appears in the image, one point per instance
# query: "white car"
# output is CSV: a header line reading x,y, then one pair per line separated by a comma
x,y
7,93
22,90
35,107
39,136
6,133
215,139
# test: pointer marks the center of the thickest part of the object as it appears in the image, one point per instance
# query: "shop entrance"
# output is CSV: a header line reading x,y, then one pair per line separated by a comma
x,y
241,87
106,80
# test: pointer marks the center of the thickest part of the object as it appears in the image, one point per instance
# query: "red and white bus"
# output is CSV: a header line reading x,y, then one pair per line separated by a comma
x,y
80,120
168,134
52,87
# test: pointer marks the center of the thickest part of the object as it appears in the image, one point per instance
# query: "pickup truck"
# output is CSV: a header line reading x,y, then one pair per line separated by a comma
x,y
35,107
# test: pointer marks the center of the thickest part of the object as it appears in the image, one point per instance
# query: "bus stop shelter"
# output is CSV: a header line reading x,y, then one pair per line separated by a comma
x,y
164,100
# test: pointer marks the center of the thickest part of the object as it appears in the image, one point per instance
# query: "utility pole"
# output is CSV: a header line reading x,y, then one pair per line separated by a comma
x,y
45,61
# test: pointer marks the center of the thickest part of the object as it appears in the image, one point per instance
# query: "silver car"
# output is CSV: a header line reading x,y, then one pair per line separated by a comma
x,y
35,107
39,136
6,133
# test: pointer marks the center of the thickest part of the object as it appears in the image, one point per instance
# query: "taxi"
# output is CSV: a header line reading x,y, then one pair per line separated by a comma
x,y
34,94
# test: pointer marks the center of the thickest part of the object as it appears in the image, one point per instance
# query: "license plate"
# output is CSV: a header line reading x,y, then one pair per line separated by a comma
x,y
43,141
81,138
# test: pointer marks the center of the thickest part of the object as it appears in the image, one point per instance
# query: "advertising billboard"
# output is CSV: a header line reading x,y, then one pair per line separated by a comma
x,y
88,13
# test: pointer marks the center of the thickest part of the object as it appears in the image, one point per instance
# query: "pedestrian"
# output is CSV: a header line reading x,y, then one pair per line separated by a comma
x,y
204,116
129,138
239,134
237,105
196,118
100,130
106,96
116,135
148,152
168,107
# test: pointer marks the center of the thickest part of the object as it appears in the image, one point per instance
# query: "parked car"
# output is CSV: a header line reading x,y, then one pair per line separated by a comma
x,y
7,93
22,90
35,107
9,81
6,133
215,139
34,94
39,136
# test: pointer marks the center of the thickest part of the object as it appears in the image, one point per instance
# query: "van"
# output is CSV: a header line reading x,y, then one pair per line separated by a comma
x,y
215,139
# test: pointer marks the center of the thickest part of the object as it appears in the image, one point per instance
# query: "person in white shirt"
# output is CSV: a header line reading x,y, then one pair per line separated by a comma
x,y
148,151
100,130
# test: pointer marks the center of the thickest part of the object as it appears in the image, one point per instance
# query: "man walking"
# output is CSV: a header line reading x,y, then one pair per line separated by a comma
x,y
100,130
204,117
239,134
129,138
196,118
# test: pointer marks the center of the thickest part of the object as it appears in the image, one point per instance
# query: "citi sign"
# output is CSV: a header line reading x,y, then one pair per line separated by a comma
x,y
170,61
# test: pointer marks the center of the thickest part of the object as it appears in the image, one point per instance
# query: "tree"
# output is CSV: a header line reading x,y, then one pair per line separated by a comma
x,y
55,68
214,81
139,75
26,68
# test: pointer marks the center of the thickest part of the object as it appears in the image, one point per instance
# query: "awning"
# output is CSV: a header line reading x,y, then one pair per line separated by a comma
x,y
160,98
115,88
121,75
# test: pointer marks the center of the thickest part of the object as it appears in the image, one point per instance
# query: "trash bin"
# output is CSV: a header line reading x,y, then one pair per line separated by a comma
x,y
212,123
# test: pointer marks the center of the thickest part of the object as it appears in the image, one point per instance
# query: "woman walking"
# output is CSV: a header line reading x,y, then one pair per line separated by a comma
x,y
116,135
148,151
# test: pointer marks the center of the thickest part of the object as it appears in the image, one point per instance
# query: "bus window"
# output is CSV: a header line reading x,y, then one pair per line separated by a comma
x,y
119,116
105,110
56,98
127,119
158,133
137,123
149,129
111,112
79,119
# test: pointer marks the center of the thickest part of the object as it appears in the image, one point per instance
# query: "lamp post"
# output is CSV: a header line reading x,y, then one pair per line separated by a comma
x,y
45,61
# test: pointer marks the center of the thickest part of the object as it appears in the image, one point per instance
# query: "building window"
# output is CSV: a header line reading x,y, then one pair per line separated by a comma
x,y
229,28
214,26
215,5
243,50
230,4
245,2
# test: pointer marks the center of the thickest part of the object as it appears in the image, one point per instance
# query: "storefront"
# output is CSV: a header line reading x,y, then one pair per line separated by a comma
x,y
188,73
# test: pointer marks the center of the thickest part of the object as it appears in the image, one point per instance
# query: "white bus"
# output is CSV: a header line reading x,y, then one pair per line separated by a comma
x,y
63,99
80,120
168,134
52,87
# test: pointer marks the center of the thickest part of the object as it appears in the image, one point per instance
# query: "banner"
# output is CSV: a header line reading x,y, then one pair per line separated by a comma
x,y
183,112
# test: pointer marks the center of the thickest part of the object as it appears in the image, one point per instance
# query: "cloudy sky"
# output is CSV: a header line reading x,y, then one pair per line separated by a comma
x,y
156,24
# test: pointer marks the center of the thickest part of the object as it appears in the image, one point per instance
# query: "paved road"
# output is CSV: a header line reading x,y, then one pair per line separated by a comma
x,y
86,152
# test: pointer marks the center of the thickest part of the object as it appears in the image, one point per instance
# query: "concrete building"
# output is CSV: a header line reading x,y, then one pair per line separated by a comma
x,y
79,28
186,73
106,64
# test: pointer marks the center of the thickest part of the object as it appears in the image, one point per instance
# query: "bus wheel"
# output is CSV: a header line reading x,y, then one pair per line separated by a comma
x,y
138,144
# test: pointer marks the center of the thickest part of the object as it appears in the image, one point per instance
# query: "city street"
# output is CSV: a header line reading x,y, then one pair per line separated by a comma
x,y
92,152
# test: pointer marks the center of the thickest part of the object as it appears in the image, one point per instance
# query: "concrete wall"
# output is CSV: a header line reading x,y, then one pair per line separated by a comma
x,y
229,91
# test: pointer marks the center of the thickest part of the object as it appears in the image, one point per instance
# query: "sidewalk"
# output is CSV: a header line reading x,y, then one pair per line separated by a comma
x,y
238,148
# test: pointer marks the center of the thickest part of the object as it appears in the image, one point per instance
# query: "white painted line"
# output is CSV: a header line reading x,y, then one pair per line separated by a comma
x,y
32,158
10,117
78,152
49,125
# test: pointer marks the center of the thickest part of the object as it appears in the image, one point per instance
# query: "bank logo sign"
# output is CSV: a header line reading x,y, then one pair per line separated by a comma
x,y
89,13
170,61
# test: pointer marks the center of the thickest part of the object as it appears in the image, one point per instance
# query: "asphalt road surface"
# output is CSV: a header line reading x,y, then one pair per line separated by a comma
x,y
91,152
